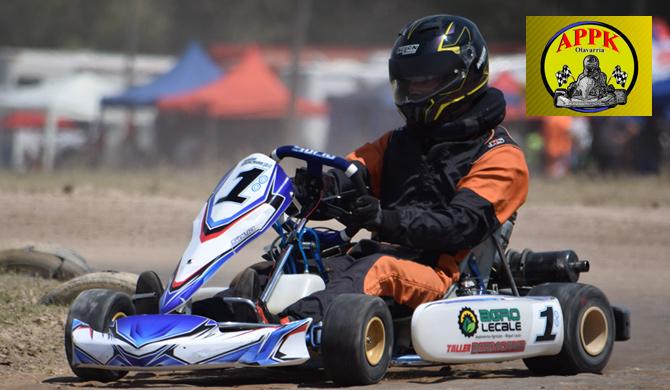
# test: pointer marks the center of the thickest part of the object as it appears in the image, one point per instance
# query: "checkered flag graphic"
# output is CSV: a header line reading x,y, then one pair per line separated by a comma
x,y
620,76
563,75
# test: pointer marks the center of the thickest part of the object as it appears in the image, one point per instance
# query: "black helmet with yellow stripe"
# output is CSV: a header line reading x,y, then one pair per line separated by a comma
x,y
438,66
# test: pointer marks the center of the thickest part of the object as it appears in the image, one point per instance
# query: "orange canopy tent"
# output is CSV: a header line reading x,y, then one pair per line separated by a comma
x,y
250,90
513,90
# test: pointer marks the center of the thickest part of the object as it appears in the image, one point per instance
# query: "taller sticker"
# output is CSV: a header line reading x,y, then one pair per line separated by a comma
x,y
589,66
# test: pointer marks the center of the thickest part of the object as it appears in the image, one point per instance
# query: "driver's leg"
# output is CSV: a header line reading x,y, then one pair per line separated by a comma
x,y
407,282
340,281
249,283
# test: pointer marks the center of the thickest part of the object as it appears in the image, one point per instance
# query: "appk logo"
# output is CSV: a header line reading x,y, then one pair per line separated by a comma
x,y
589,65
585,46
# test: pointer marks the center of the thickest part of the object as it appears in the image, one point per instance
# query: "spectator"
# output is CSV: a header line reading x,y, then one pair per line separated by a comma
x,y
582,139
646,146
557,145
612,142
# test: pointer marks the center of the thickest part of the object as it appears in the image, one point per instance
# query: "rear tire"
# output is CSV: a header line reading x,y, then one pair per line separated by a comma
x,y
148,282
357,339
250,282
589,330
97,308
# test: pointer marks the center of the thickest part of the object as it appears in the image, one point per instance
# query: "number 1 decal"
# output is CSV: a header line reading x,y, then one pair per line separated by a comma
x,y
234,194
548,315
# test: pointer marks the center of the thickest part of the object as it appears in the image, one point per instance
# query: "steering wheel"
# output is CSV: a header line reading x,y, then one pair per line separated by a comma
x,y
316,160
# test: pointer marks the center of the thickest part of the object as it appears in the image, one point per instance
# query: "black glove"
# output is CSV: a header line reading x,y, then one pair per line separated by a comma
x,y
306,187
309,190
367,213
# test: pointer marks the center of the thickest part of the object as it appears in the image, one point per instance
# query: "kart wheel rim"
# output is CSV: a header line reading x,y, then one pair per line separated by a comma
x,y
593,331
375,340
118,315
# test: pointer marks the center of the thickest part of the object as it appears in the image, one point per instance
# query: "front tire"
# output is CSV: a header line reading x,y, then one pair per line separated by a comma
x,y
96,307
357,339
589,330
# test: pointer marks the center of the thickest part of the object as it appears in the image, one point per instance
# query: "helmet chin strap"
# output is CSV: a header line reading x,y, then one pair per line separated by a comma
x,y
486,113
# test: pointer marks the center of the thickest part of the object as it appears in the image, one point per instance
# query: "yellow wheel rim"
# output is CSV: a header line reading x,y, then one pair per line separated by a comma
x,y
118,315
593,331
375,340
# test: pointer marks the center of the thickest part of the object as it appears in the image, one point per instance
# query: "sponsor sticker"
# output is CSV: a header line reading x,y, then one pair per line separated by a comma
x,y
242,236
490,323
495,142
507,346
255,161
407,49
584,65
313,152
467,322
257,186
458,348
500,320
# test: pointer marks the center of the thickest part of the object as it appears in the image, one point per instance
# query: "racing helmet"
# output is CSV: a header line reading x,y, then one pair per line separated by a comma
x,y
438,66
591,64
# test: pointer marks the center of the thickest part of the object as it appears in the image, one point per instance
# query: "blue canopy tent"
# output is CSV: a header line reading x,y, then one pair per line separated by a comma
x,y
661,97
193,70
661,89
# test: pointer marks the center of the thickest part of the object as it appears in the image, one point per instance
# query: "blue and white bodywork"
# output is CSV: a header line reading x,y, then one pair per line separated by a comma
x,y
174,341
247,201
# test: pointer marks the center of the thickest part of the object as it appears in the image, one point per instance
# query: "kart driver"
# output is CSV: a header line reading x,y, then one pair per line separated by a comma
x,y
439,185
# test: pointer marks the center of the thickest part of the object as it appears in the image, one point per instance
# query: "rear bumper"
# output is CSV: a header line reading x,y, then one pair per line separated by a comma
x,y
621,322
185,342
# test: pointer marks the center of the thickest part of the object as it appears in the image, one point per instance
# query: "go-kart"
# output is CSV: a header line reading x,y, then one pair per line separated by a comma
x,y
514,305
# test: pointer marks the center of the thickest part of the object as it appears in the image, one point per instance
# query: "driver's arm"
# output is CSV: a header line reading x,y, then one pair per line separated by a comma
x,y
493,190
370,158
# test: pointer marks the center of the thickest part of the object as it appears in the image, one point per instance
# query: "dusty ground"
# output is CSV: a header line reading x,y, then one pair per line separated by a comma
x,y
35,349
622,226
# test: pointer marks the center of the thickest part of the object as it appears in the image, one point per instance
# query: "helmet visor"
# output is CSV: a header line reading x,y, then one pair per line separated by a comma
x,y
417,89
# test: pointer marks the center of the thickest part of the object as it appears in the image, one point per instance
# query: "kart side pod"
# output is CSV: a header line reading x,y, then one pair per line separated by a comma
x,y
487,328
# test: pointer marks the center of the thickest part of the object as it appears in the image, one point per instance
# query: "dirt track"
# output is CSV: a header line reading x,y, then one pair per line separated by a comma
x,y
627,247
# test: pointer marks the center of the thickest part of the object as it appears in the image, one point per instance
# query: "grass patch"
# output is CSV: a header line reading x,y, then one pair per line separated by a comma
x,y
31,334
